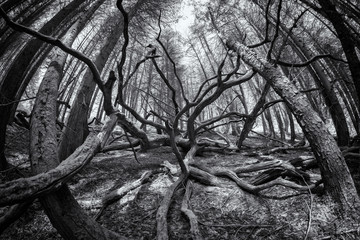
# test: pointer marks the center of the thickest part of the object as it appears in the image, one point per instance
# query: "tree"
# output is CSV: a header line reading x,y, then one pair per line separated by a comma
x,y
200,108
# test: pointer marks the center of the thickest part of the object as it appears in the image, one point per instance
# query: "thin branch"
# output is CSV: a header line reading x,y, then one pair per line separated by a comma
x,y
277,25
17,101
166,81
171,60
58,43
304,64
124,47
219,118
155,98
132,147
221,66
266,38
138,117
269,104
134,71
289,33
202,86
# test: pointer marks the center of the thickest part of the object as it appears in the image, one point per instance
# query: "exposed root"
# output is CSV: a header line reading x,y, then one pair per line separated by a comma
x,y
204,177
161,215
194,226
254,189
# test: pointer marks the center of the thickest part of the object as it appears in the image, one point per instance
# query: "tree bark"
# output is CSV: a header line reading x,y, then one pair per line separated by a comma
x,y
335,173
13,85
345,38
61,207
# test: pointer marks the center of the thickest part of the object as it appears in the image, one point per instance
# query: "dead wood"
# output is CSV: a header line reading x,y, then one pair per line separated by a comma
x,y
272,174
272,139
304,163
258,166
161,215
351,154
209,141
23,189
204,177
171,167
284,149
286,169
134,131
121,146
249,187
117,194
194,226
352,157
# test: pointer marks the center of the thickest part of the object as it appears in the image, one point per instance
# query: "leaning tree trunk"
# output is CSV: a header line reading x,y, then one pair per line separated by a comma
x,y
347,43
62,209
19,75
77,129
334,171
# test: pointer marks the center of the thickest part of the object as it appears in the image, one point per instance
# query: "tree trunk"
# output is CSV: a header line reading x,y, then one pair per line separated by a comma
x,y
62,209
334,171
13,85
292,125
77,129
346,41
249,122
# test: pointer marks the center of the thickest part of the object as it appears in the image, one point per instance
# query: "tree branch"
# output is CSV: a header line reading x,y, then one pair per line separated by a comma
x,y
26,189
58,43
266,38
171,60
268,56
304,64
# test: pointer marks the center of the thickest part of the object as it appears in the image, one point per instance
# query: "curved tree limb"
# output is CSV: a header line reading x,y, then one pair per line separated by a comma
x,y
58,43
24,189
194,224
171,60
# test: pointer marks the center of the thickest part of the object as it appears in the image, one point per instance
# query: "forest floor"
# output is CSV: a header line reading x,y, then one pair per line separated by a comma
x,y
223,212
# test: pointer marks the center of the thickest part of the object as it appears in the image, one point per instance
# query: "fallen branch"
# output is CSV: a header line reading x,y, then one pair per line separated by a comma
x,y
121,146
280,149
250,187
194,226
161,214
25,189
272,139
117,194
204,177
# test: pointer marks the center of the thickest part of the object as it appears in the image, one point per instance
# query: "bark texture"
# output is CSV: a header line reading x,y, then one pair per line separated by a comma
x,y
335,173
